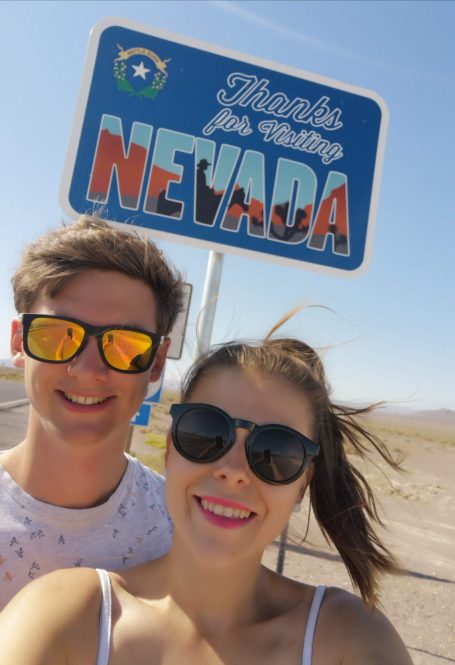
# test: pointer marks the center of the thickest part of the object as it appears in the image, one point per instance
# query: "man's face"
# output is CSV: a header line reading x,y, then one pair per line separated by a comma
x,y
84,402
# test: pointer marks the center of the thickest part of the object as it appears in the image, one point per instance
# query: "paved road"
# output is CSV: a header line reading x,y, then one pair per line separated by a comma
x,y
11,390
13,422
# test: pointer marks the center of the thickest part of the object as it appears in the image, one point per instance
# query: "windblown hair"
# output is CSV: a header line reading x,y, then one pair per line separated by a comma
x,y
341,498
56,257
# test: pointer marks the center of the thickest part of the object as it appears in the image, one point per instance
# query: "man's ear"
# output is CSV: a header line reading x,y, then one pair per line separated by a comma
x,y
160,359
17,351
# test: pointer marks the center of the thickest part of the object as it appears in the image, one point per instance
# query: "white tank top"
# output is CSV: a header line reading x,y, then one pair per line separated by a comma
x,y
106,620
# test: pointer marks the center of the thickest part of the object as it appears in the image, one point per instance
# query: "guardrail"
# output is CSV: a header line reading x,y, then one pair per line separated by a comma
x,y
14,405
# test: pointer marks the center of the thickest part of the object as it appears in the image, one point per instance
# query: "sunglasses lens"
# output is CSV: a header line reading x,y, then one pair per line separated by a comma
x,y
202,435
56,340
128,350
277,456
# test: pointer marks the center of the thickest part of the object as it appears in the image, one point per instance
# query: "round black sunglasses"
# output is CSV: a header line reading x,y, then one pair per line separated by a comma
x,y
276,454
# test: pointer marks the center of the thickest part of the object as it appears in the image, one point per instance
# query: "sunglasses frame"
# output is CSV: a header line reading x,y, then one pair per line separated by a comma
x,y
309,447
89,331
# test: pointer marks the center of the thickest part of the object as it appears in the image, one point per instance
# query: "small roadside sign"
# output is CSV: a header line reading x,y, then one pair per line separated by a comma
x,y
225,151
177,336
178,331
142,417
154,391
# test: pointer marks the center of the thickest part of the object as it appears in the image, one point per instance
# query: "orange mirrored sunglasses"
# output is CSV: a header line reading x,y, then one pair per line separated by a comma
x,y
54,339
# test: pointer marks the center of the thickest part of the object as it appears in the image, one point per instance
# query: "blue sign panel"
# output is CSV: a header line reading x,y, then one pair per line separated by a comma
x,y
142,417
225,151
155,395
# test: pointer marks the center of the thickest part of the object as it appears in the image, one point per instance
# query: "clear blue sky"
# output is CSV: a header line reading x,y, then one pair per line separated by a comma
x,y
391,331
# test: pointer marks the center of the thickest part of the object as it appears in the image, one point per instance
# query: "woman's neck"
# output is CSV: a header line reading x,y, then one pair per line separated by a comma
x,y
216,598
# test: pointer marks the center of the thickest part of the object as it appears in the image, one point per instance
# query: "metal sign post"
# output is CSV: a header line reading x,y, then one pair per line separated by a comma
x,y
282,550
209,302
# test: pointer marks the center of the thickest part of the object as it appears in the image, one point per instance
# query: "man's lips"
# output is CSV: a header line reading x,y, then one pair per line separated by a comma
x,y
84,401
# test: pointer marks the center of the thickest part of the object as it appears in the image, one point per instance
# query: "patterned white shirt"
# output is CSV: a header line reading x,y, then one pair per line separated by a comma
x,y
131,527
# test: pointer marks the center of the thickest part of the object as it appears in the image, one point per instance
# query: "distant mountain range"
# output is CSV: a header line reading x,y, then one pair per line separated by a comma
x,y
443,416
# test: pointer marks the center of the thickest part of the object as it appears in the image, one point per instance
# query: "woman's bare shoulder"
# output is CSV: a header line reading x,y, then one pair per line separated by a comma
x,y
363,635
50,616
70,587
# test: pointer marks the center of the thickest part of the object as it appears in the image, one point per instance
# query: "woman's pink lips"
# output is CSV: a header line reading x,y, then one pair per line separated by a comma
x,y
225,502
220,520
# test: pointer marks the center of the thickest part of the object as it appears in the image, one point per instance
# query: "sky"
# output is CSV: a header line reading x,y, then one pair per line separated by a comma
x,y
385,334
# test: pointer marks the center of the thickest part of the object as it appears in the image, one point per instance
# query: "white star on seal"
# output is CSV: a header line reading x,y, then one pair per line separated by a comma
x,y
140,70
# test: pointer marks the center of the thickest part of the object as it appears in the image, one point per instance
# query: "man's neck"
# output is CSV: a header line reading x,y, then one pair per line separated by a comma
x,y
65,475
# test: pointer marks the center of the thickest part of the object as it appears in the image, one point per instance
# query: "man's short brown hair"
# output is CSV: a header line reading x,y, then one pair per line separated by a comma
x,y
54,258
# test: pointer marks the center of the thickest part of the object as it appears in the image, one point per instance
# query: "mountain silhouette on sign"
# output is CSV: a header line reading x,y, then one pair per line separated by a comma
x,y
156,200
130,169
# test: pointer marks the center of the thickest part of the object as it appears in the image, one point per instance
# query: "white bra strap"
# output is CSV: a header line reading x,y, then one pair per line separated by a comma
x,y
105,618
311,625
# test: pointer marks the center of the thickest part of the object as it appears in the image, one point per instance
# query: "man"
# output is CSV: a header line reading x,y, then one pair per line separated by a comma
x,y
95,307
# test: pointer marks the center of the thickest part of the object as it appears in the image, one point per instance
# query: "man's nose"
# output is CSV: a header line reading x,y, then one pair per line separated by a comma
x,y
89,362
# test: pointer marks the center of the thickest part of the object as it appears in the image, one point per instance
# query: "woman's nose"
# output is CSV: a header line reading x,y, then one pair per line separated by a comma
x,y
233,467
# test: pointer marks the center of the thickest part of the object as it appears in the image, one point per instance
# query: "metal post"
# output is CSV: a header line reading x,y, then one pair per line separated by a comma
x,y
209,302
282,550
129,439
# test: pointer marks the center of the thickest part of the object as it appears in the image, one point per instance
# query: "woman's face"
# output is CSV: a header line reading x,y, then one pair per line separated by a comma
x,y
222,511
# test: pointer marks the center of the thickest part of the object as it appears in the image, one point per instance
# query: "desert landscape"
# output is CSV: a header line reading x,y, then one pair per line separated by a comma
x,y
417,506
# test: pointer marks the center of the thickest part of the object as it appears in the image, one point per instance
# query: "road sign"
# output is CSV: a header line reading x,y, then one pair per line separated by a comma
x,y
154,391
142,417
177,335
225,151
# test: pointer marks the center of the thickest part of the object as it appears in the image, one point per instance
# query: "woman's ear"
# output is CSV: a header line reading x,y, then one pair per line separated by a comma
x,y
306,480
17,351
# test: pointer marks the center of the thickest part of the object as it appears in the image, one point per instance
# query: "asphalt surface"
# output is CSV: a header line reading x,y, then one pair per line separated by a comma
x,y
13,422
11,390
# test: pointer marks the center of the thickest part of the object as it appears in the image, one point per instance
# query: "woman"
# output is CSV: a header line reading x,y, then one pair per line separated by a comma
x,y
255,429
